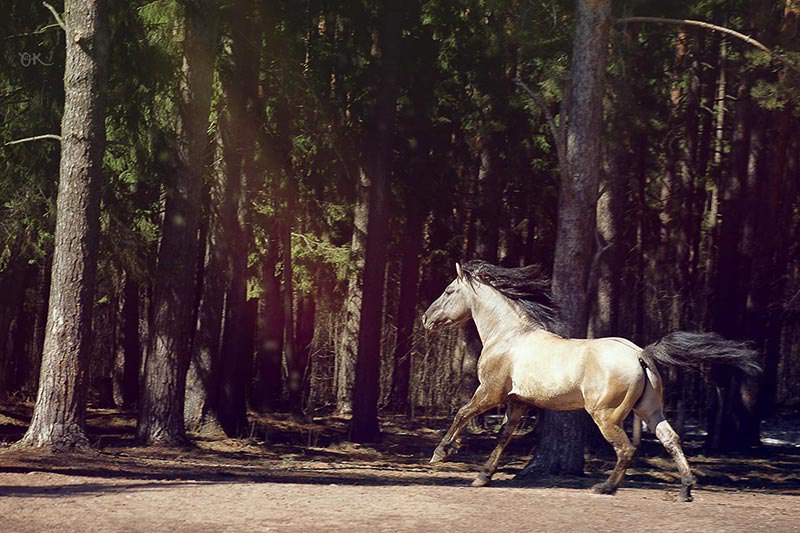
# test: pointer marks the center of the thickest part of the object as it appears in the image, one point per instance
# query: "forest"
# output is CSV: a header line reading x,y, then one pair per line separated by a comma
x,y
214,211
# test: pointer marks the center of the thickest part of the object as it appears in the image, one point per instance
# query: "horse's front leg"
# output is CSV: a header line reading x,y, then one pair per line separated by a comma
x,y
483,400
514,412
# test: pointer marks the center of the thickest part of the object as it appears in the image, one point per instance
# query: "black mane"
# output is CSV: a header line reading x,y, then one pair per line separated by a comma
x,y
527,286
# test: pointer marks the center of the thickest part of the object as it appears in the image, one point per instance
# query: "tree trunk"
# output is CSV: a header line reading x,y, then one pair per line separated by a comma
x,y
364,427
610,225
487,245
40,322
727,304
241,88
776,212
306,319
406,311
563,434
105,346
161,402
131,344
200,410
269,352
417,207
488,223
59,414
294,383
348,348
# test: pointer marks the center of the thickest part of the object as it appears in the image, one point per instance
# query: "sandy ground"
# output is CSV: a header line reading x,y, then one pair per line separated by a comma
x,y
305,477
43,501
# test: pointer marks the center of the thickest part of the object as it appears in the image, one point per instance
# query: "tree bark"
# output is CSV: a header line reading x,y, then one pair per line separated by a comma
x,y
169,351
610,225
563,434
348,348
241,87
294,382
200,410
366,389
58,419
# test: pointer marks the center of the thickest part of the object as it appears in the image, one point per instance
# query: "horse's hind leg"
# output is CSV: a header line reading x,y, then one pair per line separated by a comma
x,y
514,412
650,408
672,442
608,422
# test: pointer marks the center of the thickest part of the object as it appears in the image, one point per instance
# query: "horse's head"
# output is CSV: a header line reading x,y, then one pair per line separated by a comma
x,y
452,307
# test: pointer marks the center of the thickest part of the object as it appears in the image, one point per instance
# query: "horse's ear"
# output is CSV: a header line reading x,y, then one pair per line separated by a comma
x,y
459,273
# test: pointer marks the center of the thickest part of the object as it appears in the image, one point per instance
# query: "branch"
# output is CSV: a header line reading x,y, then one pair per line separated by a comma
x,y
706,25
37,32
35,138
558,132
58,18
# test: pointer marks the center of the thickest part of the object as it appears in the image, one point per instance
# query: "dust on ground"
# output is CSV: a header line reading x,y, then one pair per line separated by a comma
x,y
303,476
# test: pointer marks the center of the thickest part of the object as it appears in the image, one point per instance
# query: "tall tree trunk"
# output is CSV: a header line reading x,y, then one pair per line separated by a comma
x,y
776,212
294,383
241,86
487,245
488,223
563,434
266,392
366,389
161,402
417,207
59,414
406,311
610,223
304,336
40,321
104,333
348,347
200,410
733,267
131,344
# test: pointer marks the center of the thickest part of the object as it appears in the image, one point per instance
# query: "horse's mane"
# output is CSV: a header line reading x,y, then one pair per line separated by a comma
x,y
527,286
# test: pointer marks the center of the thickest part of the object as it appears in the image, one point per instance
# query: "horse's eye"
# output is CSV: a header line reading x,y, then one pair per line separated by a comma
x,y
449,290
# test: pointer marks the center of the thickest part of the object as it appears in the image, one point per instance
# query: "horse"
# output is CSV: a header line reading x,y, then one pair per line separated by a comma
x,y
524,362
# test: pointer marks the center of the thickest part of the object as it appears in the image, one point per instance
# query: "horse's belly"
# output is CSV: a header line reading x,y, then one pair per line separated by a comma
x,y
549,395
549,376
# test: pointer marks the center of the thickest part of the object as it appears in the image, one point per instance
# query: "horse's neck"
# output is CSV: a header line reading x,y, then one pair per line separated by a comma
x,y
494,315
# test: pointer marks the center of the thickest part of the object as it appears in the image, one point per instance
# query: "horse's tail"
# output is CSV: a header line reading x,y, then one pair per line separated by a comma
x,y
703,350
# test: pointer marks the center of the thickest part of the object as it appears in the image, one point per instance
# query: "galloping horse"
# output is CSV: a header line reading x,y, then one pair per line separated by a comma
x,y
524,362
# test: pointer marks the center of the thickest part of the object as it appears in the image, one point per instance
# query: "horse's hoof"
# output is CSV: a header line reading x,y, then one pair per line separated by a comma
x,y
685,496
481,481
604,488
438,456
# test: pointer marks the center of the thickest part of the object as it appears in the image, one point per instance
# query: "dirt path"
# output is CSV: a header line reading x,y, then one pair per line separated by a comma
x,y
304,476
44,501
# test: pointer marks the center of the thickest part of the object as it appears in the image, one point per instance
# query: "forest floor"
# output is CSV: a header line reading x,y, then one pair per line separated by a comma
x,y
304,476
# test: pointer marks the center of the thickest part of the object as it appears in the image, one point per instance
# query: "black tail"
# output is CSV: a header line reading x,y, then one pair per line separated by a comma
x,y
703,350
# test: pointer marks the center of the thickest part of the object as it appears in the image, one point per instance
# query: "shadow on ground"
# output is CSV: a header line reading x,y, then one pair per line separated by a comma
x,y
286,450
